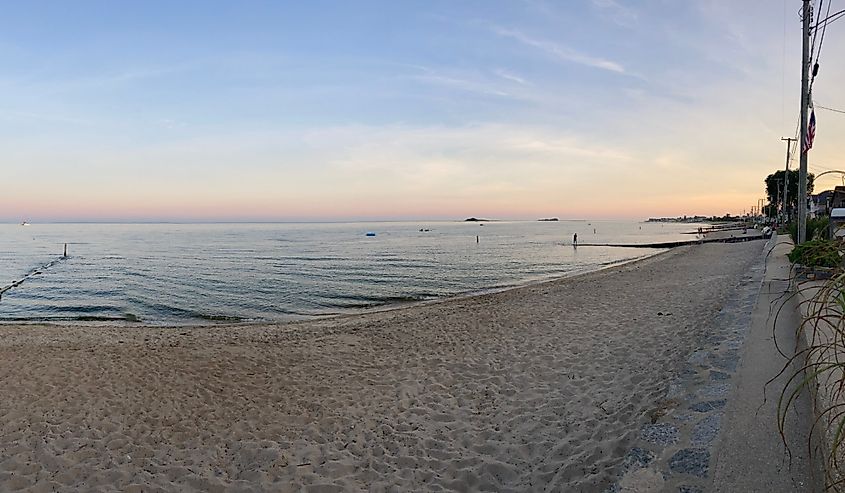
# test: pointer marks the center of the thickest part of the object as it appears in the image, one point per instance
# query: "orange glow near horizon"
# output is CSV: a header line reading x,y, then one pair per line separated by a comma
x,y
203,209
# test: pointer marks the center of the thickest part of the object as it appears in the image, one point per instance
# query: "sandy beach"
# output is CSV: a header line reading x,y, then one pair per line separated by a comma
x,y
543,387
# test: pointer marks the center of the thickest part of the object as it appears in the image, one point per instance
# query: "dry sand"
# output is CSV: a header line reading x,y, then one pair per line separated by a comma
x,y
537,388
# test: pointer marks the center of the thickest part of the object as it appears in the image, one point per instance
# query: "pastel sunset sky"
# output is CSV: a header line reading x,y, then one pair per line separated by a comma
x,y
320,110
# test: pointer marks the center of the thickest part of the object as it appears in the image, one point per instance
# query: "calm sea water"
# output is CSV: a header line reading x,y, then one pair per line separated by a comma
x,y
195,273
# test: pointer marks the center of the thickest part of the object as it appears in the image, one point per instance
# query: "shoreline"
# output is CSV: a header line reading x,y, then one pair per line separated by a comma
x,y
542,385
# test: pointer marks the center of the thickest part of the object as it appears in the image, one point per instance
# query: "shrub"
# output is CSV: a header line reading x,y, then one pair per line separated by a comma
x,y
817,253
816,228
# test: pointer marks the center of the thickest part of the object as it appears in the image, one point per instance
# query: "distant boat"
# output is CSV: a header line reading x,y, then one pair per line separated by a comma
x,y
370,234
24,223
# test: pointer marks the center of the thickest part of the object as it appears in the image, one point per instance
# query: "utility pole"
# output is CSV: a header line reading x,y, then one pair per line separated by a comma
x,y
807,14
789,142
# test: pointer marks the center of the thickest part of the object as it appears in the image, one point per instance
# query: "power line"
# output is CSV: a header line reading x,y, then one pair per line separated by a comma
x,y
817,105
824,29
819,171
833,17
823,167
821,39
783,71
816,28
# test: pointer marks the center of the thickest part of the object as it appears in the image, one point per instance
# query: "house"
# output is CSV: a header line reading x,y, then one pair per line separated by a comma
x,y
820,204
837,223
838,199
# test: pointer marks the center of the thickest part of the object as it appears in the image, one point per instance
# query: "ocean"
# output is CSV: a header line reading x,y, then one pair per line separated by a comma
x,y
186,274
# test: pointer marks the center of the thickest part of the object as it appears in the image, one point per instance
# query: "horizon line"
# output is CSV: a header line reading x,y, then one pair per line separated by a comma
x,y
347,221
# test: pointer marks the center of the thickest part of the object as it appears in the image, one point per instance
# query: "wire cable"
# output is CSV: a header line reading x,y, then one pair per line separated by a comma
x,y
783,71
821,40
817,105
833,18
819,167
815,29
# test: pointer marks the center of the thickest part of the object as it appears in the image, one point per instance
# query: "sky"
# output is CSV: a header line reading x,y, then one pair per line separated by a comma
x,y
299,111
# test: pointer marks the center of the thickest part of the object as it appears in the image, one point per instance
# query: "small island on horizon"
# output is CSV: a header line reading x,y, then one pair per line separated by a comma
x,y
549,219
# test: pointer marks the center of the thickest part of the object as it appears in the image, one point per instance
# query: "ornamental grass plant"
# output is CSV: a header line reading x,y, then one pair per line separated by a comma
x,y
817,362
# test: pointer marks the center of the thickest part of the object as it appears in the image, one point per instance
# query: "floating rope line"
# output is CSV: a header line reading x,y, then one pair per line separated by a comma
x,y
34,272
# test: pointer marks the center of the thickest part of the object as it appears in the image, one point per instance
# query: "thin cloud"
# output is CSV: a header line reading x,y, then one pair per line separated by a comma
x,y
430,76
562,52
511,77
461,84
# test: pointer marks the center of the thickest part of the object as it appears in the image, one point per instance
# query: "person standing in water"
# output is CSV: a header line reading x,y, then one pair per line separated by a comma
x,y
575,239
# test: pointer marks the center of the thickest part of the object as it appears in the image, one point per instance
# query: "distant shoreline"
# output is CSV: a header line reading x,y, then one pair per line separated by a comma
x,y
363,221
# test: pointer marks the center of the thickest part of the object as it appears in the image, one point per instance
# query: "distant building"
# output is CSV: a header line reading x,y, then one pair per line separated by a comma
x,y
837,223
820,204
838,199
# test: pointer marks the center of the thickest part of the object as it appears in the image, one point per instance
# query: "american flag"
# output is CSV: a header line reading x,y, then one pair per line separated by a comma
x,y
811,132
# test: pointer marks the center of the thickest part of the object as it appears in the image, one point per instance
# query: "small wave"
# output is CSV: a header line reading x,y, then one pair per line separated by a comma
x,y
371,301
307,258
220,318
179,313
128,317
83,309
614,262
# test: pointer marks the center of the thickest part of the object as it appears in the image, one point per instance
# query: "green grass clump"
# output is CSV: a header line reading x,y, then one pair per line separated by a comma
x,y
817,253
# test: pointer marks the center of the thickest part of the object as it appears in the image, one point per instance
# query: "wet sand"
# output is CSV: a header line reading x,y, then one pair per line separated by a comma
x,y
543,387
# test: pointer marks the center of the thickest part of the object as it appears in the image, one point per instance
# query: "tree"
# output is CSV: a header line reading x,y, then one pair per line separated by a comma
x,y
774,187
